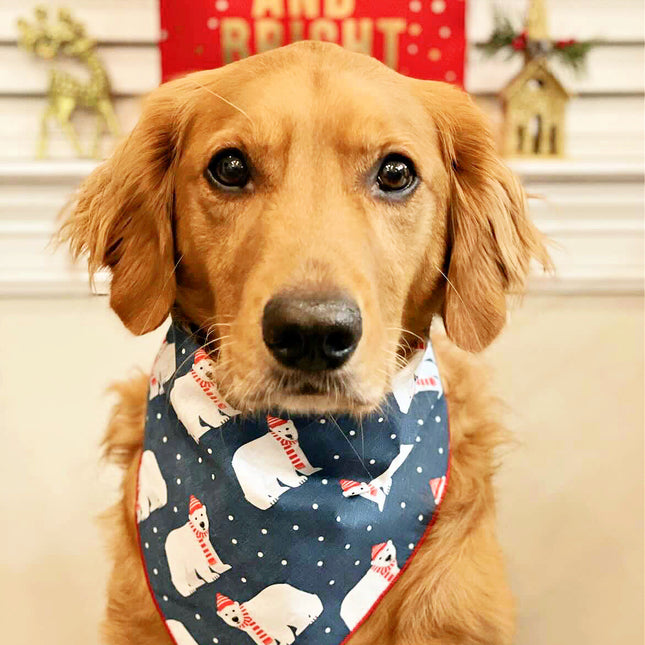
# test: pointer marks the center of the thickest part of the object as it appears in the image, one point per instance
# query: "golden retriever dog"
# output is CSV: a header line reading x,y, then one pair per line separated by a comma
x,y
316,175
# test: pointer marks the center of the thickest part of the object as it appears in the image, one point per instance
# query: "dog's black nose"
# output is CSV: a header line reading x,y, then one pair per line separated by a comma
x,y
311,332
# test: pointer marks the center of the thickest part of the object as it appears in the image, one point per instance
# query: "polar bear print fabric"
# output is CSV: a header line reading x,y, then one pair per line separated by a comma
x,y
192,559
381,574
378,488
259,526
152,492
162,369
271,464
196,400
421,374
179,633
278,614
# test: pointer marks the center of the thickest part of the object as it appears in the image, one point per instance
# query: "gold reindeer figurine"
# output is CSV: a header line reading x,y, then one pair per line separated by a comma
x,y
65,92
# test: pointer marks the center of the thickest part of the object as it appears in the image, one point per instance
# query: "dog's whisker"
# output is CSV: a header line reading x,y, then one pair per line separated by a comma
x,y
171,274
403,330
221,98
471,322
348,440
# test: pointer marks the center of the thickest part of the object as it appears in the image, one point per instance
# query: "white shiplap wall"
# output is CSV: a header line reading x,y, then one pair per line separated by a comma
x,y
592,206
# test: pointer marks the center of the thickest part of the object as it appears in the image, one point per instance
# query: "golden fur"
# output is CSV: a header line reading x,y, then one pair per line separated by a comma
x,y
314,119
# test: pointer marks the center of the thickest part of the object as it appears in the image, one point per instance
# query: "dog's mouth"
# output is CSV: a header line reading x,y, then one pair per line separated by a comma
x,y
302,393
306,389
319,392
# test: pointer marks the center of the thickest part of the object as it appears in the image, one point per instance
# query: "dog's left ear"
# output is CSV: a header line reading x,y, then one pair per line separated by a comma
x,y
122,218
491,238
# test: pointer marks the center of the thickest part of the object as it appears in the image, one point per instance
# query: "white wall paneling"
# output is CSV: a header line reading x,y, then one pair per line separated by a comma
x,y
120,21
611,69
19,129
137,20
592,214
31,195
134,69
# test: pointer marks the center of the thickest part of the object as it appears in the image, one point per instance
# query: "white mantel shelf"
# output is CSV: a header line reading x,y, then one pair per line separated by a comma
x,y
42,172
591,209
582,171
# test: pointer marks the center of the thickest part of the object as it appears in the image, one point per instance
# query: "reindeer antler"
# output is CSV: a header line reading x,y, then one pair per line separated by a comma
x,y
71,25
44,37
32,35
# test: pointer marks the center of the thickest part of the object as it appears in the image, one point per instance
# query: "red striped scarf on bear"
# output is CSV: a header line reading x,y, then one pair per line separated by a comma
x,y
201,538
287,446
209,389
259,632
386,571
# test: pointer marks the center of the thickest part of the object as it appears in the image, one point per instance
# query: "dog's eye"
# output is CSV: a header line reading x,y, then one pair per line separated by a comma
x,y
229,168
396,174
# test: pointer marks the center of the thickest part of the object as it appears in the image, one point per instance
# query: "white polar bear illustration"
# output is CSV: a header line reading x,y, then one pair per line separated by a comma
x,y
152,492
273,614
192,559
378,489
195,398
179,633
421,374
271,464
368,589
162,369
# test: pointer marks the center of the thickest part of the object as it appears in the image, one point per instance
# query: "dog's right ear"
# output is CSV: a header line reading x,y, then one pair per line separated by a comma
x,y
122,216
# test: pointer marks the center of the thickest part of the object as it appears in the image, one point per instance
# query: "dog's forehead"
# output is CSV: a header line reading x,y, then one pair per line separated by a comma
x,y
352,105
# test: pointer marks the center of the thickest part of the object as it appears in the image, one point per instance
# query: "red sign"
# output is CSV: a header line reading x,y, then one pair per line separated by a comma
x,y
422,39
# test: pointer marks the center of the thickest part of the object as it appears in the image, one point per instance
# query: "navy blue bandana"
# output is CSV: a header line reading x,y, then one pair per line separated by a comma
x,y
274,530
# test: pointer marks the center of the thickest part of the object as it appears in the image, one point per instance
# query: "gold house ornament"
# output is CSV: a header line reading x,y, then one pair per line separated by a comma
x,y
535,101
66,93
535,104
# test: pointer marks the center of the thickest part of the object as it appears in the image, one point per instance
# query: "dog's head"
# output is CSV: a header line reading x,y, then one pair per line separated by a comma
x,y
309,210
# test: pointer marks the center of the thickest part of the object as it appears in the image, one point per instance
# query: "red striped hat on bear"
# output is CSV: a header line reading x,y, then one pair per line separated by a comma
x,y
200,355
223,601
194,505
274,422
347,484
377,548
